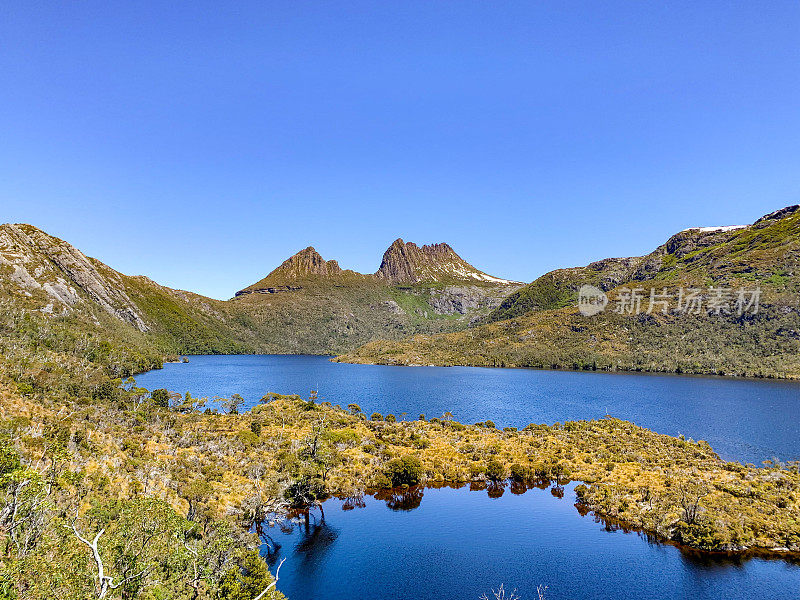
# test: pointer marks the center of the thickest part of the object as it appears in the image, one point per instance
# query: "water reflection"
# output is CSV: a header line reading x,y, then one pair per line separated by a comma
x,y
314,536
407,498
389,546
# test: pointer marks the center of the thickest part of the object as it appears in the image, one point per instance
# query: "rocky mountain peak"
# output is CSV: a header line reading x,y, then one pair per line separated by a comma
x,y
306,263
405,262
303,266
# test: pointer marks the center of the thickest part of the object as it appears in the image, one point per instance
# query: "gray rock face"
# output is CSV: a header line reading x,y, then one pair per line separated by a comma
x,y
393,307
307,262
464,299
62,270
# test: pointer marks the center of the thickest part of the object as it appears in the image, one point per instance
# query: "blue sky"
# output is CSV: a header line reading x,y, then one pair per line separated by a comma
x,y
203,143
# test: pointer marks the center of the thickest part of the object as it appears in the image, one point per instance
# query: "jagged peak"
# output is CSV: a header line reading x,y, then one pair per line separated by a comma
x,y
307,262
779,214
303,266
405,262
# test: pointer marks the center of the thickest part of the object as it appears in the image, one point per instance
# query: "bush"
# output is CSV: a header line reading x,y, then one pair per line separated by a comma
x,y
495,470
404,471
520,472
376,416
160,398
581,491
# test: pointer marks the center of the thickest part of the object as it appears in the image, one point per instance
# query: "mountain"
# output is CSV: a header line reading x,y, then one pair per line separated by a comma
x,y
307,266
540,324
44,277
311,305
305,305
408,263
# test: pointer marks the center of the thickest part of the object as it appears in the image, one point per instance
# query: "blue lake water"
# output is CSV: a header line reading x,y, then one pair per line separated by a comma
x,y
745,420
435,544
460,544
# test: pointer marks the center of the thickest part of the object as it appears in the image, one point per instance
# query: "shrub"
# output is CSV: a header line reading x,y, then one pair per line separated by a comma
x,y
581,491
520,472
376,416
495,470
404,471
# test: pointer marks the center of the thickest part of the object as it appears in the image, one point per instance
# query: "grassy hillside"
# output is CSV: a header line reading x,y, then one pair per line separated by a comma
x,y
540,325
320,318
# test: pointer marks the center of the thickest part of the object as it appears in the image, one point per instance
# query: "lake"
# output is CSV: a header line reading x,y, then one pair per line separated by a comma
x,y
460,544
744,420
435,543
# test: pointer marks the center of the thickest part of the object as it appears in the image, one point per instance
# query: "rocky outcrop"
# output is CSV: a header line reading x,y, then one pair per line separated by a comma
x,y
307,262
464,299
405,262
40,261
306,266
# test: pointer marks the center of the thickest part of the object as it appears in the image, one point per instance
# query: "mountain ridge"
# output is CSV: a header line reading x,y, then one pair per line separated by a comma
x,y
328,310
540,325
402,263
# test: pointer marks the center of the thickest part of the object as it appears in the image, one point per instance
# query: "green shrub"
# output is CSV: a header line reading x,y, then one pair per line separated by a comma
x,y
160,398
495,470
404,471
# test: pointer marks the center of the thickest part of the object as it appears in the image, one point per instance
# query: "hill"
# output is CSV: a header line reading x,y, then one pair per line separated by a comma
x,y
645,327
306,305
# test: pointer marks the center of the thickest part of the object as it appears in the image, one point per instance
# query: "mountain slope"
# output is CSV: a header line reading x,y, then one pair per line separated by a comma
x,y
311,305
306,305
541,326
44,276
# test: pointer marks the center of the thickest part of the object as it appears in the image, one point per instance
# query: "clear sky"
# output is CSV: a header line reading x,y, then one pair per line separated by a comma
x,y
203,143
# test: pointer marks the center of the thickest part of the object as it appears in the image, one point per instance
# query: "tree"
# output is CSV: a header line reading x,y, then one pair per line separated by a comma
x,y
160,398
195,492
249,579
134,538
232,404
689,496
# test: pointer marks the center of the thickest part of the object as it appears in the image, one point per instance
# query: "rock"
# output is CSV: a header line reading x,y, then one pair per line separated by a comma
x,y
62,270
408,263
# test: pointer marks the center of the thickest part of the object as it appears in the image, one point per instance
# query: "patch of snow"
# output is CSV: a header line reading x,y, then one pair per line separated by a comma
x,y
721,228
484,277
